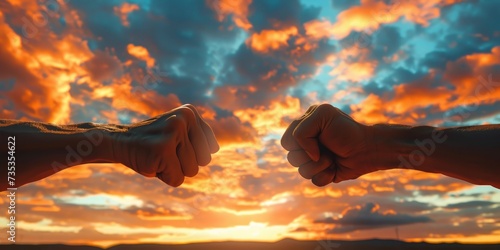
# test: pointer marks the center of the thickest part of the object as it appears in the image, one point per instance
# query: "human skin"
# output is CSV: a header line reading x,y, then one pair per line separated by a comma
x,y
170,146
328,146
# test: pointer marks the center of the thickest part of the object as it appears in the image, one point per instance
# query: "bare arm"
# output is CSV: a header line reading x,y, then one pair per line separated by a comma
x,y
468,153
43,149
329,146
170,146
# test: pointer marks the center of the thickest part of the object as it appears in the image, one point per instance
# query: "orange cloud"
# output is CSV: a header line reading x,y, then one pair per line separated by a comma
x,y
371,14
123,10
226,97
161,214
206,112
367,16
147,102
237,8
43,70
355,71
478,86
268,40
352,64
270,119
249,189
102,66
230,130
409,97
474,87
141,53
318,28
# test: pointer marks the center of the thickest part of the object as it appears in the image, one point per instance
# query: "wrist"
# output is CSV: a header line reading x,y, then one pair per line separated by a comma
x,y
99,141
104,139
119,147
392,146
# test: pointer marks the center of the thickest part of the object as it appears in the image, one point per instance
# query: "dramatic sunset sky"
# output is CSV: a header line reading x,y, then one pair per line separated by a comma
x,y
250,66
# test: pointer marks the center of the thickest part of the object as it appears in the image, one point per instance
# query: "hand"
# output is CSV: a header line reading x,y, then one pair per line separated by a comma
x,y
169,146
328,146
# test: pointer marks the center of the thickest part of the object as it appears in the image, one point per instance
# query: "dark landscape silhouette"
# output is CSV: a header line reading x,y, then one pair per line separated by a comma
x,y
285,244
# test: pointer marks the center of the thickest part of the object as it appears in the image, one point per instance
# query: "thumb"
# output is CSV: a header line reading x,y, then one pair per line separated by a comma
x,y
306,135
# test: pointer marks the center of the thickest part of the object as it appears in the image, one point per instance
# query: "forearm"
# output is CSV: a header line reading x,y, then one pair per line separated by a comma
x,y
468,153
43,149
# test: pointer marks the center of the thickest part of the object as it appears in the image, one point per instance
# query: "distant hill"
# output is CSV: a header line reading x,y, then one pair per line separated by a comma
x,y
286,244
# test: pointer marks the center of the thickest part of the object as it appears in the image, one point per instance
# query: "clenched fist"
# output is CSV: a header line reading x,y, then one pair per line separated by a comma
x,y
170,146
328,146
325,144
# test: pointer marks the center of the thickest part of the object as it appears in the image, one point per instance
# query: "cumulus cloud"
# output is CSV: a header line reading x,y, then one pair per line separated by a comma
x,y
251,67
368,216
471,204
102,66
371,14
232,130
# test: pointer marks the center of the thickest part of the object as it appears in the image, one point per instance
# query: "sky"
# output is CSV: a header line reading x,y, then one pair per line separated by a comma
x,y
251,67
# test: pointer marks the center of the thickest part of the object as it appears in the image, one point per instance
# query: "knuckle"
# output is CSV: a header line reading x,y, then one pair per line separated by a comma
x,y
318,183
189,113
284,141
328,161
303,171
175,182
193,172
190,106
296,159
296,134
205,160
311,108
177,122
148,174
325,107
289,157
147,170
186,113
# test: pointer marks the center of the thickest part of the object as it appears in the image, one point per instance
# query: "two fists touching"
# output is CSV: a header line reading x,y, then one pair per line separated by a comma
x,y
325,144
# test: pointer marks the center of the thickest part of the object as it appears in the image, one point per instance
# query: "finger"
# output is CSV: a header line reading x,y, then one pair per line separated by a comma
x,y
192,140
209,133
207,130
298,158
308,130
161,165
312,168
308,143
200,145
344,174
324,177
172,172
287,140
187,158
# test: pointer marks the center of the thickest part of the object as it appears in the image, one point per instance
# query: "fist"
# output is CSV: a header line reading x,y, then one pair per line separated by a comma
x,y
170,146
328,146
